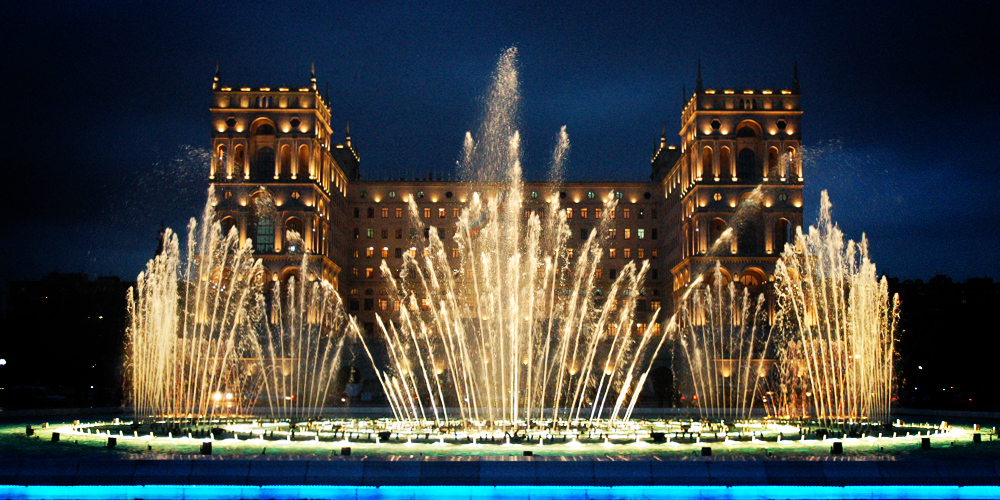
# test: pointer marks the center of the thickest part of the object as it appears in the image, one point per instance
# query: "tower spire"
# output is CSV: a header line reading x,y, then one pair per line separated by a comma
x,y
663,136
215,81
347,134
698,88
312,75
795,78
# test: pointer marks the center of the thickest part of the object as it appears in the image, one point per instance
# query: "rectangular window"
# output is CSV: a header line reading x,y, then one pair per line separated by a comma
x,y
583,233
612,253
640,233
385,254
356,253
654,305
569,212
399,233
369,304
383,304
569,253
583,213
527,214
369,252
427,212
370,232
597,213
355,304
399,253
425,304
640,213
612,233
597,273
653,233
656,329
399,212
385,233
357,212
640,329
611,213
654,253
627,213
628,233
612,273
357,233
456,212
371,212
369,272
641,253
441,213
354,272
395,305
385,212
627,253
413,252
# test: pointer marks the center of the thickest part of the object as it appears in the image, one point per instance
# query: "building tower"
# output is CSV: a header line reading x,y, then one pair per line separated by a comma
x,y
279,178
738,167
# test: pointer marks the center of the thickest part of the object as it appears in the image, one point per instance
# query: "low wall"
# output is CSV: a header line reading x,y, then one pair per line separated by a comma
x,y
505,471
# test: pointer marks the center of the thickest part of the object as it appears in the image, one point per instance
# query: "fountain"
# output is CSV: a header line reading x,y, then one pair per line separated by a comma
x,y
512,340
204,342
519,332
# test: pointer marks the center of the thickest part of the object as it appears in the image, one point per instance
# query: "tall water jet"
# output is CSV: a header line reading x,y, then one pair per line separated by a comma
x,y
518,331
191,327
205,341
725,340
838,325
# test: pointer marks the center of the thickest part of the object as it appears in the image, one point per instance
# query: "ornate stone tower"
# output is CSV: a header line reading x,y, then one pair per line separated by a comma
x,y
279,177
738,168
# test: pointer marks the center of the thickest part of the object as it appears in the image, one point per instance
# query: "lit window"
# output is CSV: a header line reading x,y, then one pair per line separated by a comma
x,y
399,212
455,212
369,272
653,253
597,273
569,253
440,213
569,213
641,253
590,195
369,252
385,253
413,252
385,212
454,252
597,213
640,233
628,233
627,213
627,253
612,213
427,212
612,253
612,233
371,232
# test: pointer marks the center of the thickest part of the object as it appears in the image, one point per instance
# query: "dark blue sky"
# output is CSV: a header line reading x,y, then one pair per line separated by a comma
x,y
106,106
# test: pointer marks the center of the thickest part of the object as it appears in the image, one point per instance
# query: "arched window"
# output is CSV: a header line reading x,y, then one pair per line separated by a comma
x,y
753,279
746,131
715,230
227,223
239,159
265,129
294,234
782,234
220,160
260,228
748,231
792,170
772,162
745,164
265,163
286,160
303,166
706,163
725,161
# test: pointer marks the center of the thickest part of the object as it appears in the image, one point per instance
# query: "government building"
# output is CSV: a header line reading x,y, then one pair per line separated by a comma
x,y
279,168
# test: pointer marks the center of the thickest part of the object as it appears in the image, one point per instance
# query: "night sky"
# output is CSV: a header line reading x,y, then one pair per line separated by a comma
x,y
106,120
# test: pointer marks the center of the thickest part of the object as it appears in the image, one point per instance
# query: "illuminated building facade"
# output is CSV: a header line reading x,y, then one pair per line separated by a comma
x,y
737,166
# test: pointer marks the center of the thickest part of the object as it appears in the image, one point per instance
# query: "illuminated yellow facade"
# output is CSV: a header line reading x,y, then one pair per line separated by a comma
x,y
278,172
